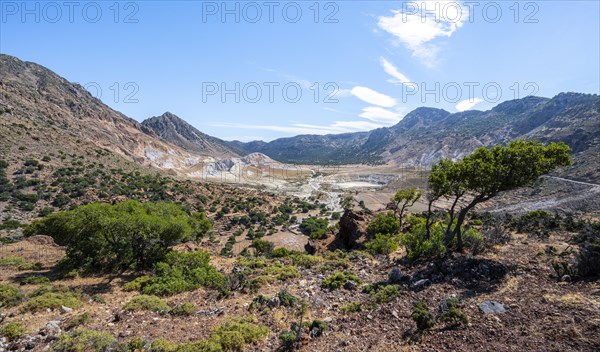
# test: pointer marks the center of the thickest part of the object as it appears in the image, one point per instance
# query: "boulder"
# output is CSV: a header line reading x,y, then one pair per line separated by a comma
x,y
395,276
492,307
353,229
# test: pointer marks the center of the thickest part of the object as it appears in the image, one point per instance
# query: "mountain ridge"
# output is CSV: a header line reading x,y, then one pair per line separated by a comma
x,y
177,131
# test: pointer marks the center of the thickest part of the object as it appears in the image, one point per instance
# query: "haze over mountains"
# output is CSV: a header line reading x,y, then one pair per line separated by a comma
x,y
65,113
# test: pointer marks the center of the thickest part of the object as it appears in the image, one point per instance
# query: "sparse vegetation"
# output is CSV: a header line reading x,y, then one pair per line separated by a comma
x,y
147,302
339,279
83,340
10,295
13,331
422,317
52,297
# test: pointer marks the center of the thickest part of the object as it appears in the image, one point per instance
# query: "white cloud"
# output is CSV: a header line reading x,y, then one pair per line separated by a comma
x,y
381,115
467,104
300,128
341,93
420,22
390,69
372,97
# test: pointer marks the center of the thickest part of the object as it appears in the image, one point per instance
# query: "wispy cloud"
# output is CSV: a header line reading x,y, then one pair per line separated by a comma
x,y
390,69
300,128
381,115
419,23
468,104
372,97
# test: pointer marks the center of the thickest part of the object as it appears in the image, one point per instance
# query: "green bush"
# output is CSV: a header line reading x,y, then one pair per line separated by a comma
x,y
184,272
259,302
352,307
280,252
262,247
184,309
83,340
422,317
253,263
306,260
288,339
382,293
78,320
10,296
12,331
314,227
34,280
52,297
473,240
147,302
282,271
236,333
419,246
10,224
339,279
454,314
287,299
20,263
136,284
120,236
384,224
383,244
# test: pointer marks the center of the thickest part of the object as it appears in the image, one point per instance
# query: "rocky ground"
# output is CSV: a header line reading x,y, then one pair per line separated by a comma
x,y
535,310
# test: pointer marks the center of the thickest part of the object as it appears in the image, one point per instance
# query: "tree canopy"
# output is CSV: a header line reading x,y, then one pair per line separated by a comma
x,y
121,236
487,172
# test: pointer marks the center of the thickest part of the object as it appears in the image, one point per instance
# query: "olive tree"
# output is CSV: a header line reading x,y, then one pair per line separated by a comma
x,y
487,172
403,199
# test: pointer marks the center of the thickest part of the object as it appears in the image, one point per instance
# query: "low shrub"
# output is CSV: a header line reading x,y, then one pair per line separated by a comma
x,y
184,309
83,340
473,240
385,224
422,317
20,263
52,297
183,272
339,279
136,284
453,314
383,244
287,299
306,260
253,263
34,280
418,246
236,333
263,247
352,307
10,296
282,272
314,228
147,302
78,320
13,331
280,252
382,293
258,303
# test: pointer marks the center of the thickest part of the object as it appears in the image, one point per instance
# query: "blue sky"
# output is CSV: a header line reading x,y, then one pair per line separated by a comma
x,y
359,65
